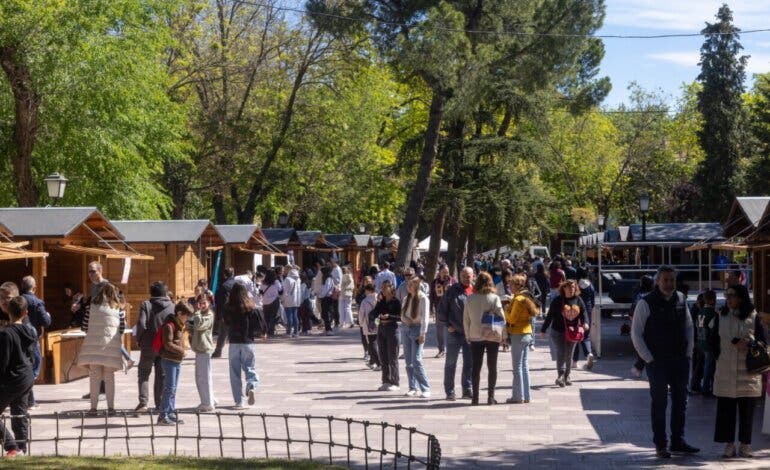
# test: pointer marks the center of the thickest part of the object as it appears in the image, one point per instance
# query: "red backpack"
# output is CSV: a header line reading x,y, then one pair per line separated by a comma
x,y
157,342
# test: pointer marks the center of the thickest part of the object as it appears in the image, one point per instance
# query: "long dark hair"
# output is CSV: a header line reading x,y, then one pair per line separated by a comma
x,y
270,277
325,273
746,307
239,300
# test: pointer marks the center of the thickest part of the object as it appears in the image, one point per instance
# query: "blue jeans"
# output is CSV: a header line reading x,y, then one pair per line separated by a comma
x,y
519,352
415,369
454,344
292,320
243,357
171,371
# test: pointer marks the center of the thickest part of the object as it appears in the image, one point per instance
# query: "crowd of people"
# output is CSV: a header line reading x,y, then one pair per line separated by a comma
x,y
488,308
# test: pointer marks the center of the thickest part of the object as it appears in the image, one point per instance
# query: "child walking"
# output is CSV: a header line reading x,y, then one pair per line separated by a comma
x,y
172,353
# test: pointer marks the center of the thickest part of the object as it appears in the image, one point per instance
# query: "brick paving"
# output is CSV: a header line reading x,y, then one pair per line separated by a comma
x,y
602,421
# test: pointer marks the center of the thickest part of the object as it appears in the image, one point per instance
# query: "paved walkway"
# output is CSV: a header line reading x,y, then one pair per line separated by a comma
x,y
602,421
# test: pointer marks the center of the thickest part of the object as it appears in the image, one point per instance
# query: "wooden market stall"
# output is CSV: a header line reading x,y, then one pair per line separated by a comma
x,y
242,243
181,249
314,247
284,240
72,237
368,253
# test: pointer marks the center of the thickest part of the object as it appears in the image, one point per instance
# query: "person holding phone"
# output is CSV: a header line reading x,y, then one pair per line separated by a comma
x,y
415,313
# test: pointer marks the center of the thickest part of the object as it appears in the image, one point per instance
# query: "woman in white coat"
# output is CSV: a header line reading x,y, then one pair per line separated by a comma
x,y
345,301
104,324
735,388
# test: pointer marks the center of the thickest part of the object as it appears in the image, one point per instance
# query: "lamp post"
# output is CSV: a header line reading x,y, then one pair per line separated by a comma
x,y
600,222
283,219
56,184
644,206
582,229
361,228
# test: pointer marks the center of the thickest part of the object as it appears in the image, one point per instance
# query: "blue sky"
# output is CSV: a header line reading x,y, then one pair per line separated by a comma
x,y
664,64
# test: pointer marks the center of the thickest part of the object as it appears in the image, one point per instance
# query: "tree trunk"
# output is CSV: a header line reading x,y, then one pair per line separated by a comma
x,y
26,104
435,243
418,193
471,244
218,203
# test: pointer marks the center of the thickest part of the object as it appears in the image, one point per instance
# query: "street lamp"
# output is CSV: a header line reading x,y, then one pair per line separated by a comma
x,y
56,184
644,206
362,228
600,222
283,219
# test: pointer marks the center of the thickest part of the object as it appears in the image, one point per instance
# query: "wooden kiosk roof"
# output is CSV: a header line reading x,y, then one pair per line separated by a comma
x,y
342,240
316,241
69,225
746,216
281,236
169,231
249,238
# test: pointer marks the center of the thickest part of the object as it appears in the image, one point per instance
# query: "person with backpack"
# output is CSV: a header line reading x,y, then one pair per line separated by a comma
x,y
169,343
104,324
368,324
16,375
220,300
291,300
567,319
39,319
245,323
203,345
521,310
736,389
484,326
152,313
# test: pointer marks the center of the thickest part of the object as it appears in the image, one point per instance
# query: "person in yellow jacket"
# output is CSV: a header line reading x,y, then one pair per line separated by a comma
x,y
518,316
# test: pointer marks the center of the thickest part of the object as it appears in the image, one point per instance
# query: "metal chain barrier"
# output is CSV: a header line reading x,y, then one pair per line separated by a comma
x,y
296,435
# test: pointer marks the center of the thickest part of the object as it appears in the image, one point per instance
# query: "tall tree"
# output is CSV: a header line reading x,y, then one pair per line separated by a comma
x,y
722,77
759,121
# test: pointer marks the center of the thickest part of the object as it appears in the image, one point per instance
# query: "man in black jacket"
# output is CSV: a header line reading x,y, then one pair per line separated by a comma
x,y
152,312
16,377
220,300
662,333
39,318
450,313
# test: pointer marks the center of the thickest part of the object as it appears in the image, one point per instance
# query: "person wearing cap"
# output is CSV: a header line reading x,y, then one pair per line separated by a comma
x,y
663,336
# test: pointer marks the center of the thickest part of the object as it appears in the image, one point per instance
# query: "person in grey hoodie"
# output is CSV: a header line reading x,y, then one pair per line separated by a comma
x,y
152,312
203,345
291,300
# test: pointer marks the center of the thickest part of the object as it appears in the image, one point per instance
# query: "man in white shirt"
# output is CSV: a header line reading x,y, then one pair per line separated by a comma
x,y
384,275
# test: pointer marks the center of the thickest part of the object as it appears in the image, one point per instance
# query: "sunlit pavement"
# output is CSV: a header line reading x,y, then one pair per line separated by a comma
x,y
601,421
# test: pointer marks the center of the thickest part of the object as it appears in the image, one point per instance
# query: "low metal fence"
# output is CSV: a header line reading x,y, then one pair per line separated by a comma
x,y
339,441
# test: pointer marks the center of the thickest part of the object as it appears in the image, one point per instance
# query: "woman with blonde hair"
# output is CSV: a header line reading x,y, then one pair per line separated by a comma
x,y
345,301
518,317
567,319
484,324
104,323
415,314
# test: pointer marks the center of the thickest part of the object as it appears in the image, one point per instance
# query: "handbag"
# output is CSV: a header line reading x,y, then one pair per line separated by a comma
x,y
492,327
757,358
573,334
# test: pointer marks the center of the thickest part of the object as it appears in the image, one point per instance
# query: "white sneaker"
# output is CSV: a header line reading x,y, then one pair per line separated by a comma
x,y
590,361
393,388
240,407
204,409
411,393
376,368
425,394
250,395
383,388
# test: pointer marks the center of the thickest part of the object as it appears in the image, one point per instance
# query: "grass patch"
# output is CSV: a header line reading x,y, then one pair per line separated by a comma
x,y
156,463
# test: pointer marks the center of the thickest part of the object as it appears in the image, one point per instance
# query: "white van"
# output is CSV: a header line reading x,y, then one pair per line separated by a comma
x,y
539,250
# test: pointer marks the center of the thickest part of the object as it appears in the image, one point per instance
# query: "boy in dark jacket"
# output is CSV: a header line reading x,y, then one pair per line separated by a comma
x,y
17,344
